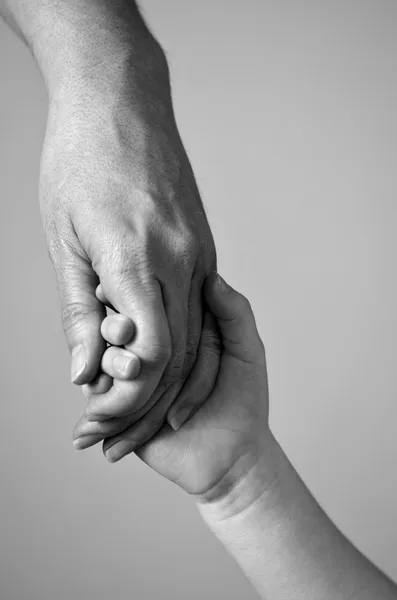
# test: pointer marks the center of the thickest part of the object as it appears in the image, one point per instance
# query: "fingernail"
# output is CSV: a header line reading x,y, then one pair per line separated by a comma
x,y
180,418
86,441
112,455
78,444
79,362
119,450
123,363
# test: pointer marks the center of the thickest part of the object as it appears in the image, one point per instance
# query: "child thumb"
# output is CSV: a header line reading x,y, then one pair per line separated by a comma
x,y
236,321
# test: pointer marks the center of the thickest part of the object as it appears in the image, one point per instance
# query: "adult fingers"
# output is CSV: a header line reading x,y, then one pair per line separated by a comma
x,y
82,314
201,381
88,433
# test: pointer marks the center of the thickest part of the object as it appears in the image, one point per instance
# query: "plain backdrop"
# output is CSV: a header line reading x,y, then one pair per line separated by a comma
x,y
288,111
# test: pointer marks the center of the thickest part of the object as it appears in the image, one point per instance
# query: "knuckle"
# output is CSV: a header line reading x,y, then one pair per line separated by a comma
x,y
60,242
124,273
244,304
122,256
186,246
160,355
124,267
190,361
191,244
74,315
262,348
133,275
212,344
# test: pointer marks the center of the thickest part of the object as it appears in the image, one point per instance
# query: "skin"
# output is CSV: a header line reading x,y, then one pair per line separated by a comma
x,y
121,209
246,490
119,201
225,434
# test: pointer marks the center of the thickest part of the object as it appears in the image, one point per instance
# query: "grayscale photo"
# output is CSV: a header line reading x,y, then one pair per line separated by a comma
x,y
198,229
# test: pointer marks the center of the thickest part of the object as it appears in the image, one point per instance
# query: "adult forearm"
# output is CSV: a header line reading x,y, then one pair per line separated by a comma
x,y
289,548
91,46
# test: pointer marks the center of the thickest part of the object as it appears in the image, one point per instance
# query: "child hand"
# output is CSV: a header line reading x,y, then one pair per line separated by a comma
x,y
227,437
119,368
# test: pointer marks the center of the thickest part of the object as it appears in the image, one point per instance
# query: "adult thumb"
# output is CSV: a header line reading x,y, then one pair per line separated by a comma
x,y
235,319
82,315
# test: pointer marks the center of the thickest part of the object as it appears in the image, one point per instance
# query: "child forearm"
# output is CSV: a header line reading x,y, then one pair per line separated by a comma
x,y
288,547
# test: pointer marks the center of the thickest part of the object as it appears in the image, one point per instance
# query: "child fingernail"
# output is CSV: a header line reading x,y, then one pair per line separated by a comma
x,y
112,455
180,418
79,362
123,364
117,451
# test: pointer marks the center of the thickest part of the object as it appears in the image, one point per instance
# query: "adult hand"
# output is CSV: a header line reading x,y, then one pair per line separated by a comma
x,y
121,208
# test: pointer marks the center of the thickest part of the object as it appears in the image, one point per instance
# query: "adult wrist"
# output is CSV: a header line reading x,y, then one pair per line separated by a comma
x,y
120,78
93,48
122,99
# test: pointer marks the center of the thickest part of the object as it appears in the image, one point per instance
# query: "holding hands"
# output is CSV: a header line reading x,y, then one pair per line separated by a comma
x,y
178,375
226,437
126,227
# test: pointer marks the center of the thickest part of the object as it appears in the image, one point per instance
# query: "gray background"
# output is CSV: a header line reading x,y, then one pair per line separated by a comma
x,y
288,112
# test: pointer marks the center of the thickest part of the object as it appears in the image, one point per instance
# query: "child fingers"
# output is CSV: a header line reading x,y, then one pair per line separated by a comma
x,y
123,399
133,437
120,364
118,329
127,433
100,295
143,302
100,385
92,432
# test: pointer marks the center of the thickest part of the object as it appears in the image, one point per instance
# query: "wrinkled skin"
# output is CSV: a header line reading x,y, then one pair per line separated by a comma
x,y
121,208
